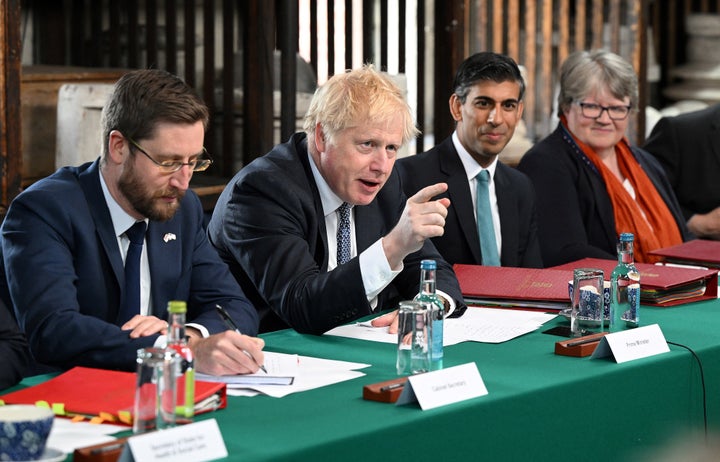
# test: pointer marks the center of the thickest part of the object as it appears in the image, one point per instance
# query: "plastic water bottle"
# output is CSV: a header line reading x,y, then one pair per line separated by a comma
x,y
625,288
176,341
436,309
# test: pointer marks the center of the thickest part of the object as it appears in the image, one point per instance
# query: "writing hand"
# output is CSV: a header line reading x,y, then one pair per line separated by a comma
x,y
225,353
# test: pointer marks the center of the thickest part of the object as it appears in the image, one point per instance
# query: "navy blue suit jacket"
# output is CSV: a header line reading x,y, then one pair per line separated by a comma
x,y
64,272
13,350
269,226
575,215
460,242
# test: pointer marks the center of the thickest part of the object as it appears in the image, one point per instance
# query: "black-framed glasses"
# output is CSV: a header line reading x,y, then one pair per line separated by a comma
x,y
170,166
593,111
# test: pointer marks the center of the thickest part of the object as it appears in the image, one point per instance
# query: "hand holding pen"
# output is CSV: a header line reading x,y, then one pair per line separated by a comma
x,y
232,326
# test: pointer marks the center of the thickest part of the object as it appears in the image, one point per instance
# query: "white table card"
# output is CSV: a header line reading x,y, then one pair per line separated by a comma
x,y
630,344
199,441
445,386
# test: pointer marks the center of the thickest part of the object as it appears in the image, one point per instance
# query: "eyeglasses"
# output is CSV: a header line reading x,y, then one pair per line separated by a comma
x,y
594,111
171,166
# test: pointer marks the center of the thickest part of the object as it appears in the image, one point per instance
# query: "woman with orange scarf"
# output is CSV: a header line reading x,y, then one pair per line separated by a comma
x,y
591,185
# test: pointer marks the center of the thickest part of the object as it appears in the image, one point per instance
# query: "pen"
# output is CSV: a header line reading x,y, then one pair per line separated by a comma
x,y
392,386
232,326
584,341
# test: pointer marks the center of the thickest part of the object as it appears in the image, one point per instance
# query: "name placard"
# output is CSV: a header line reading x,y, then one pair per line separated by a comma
x,y
445,386
199,441
637,343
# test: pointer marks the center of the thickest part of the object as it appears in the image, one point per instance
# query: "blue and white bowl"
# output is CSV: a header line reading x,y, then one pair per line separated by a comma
x,y
24,431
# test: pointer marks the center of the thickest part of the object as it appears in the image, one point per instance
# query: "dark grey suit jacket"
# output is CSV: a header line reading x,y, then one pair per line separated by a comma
x,y
269,226
688,147
460,243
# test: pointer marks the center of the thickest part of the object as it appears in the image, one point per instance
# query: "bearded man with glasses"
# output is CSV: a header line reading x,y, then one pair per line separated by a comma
x,y
591,184
92,254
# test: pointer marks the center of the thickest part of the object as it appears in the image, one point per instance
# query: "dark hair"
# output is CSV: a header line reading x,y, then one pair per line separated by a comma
x,y
141,99
484,66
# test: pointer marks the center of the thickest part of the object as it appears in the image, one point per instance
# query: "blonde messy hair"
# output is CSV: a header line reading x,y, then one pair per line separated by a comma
x,y
346,100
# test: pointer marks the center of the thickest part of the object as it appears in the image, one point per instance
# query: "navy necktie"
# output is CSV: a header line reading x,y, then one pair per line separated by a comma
x,y
131,295
343,234
486,230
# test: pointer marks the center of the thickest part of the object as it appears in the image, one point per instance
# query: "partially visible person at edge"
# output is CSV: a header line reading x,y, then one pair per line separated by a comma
x,y
486,104
13,350
281,221
688,148
66,237
591,185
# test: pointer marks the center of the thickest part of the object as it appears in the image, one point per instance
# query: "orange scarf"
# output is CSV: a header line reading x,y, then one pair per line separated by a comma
x,y
647,217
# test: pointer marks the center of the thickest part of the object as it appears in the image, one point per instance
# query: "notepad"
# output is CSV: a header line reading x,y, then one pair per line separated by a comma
x,y
281,370
248,380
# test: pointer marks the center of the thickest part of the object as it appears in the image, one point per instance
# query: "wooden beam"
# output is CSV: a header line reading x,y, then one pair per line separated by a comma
x,y
259,30
449,39
10,129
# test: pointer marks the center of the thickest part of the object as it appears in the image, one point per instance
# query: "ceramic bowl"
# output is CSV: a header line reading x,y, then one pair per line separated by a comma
x,y
24,431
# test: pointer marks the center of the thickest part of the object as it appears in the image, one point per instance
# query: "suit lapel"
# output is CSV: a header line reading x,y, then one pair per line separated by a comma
x,y
302,157
714,133
459,193
508,211
90,184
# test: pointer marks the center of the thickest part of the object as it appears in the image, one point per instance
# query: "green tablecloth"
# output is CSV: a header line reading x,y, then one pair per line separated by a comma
x,y
540,406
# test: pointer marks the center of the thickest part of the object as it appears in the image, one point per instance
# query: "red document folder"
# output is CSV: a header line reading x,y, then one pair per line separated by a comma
x,y
696,252
514,287
661,285
95,392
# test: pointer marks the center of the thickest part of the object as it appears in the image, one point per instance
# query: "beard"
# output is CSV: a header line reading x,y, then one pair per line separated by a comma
x,y
149,204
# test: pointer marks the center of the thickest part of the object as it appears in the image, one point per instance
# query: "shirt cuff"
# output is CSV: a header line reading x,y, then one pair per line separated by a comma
x,y
451,302
376,272
203,330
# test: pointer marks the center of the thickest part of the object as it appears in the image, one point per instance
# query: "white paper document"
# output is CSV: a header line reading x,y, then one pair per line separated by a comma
x,y
487,325
67,435
308,373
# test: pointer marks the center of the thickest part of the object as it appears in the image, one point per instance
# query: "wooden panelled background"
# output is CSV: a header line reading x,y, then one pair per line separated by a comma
x,y
226,48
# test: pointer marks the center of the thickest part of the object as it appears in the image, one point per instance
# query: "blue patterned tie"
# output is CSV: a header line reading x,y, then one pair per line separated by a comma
x,y
486,230
343,234
131,295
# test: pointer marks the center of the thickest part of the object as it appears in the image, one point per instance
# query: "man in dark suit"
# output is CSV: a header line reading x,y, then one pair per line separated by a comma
x,y
688,147
65,241
13,350
280,223
486,105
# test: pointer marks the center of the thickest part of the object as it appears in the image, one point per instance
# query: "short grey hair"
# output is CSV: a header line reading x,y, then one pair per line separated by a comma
x,y
585,71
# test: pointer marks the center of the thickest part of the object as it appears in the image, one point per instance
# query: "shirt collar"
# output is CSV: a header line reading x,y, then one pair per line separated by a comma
x,y
472,168
330,200
121,220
